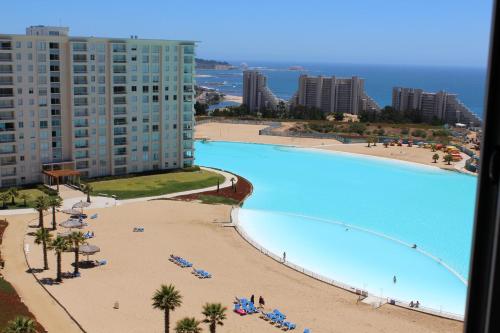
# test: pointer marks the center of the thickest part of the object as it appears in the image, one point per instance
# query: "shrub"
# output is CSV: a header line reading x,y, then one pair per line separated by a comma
x,y
419,133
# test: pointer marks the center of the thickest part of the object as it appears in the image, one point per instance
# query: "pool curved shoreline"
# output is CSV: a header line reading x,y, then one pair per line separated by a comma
x,y
255,161
234,219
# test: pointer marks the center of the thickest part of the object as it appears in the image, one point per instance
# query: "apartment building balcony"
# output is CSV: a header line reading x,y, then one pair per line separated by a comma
x,y
79,58
120,161
119,69
7,115
11,160
8,172
7,137
120,151
188,155
80,80
81,134
7,104
81,113
119,90
81,124
6,92
120,131
120,100
7,150
82,165
6,45
119,58
5,57
6,81
82,154
81,146
7,127
120,121
120,141
119,110
6,69
119,48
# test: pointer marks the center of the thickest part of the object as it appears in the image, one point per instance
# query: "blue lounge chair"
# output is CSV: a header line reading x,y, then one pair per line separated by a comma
x,y
307,330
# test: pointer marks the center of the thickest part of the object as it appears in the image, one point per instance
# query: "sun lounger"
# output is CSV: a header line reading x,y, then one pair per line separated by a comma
x,y
307,330
239,310
93,216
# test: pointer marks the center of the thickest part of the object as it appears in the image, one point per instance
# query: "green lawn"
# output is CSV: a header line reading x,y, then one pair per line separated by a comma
x,y
33,194
214,199
158,184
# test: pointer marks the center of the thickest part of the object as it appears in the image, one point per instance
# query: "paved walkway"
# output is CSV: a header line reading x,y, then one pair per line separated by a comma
x,y
45,309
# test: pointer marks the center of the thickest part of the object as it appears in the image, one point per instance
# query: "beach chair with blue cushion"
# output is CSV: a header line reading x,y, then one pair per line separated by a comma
x,y
307,330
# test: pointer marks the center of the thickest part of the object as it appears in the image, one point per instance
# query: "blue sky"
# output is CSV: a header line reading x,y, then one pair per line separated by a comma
x,y
423,32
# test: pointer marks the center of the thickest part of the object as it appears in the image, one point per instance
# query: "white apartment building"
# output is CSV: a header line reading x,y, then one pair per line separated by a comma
x,y
256,94
440,105
100,106
333,94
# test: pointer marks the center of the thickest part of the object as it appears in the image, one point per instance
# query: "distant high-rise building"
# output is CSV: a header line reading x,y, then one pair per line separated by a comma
x,y
440,105
98,106
333,94
256,94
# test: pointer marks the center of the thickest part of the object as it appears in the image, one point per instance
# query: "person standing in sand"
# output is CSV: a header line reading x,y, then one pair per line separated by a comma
x,y
261,302
252,299
284,257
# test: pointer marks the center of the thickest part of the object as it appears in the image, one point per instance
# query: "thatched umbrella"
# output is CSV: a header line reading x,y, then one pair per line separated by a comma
x,y
88,249
73,223
81,205
71,211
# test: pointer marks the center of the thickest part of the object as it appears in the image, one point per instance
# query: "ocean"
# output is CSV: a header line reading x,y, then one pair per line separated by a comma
x,y
467,82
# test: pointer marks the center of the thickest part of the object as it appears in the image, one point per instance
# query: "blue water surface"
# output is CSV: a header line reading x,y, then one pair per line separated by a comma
x,y
302,199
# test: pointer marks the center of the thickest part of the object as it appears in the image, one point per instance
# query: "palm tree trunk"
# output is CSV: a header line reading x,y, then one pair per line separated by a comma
x,y
40,219
76,260
45,259
54,226
58,278
13,200
167,321
88,196
212,327
24,202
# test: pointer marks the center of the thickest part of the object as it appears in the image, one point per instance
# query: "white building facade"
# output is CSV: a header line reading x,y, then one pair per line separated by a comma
x,y
101,106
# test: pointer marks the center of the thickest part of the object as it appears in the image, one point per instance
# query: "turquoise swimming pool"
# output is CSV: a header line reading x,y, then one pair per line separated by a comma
x,y
353,218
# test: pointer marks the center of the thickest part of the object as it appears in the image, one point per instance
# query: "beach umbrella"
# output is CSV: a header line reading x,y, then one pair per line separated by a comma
x,y
64,233
73,223
88,249
81,204
71,211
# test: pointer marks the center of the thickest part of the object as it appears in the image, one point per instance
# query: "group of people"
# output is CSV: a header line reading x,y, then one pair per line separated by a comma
x,y
414,304
261,301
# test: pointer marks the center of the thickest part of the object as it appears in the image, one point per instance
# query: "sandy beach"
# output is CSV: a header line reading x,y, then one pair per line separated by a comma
x,y
138,264
233,98
250,133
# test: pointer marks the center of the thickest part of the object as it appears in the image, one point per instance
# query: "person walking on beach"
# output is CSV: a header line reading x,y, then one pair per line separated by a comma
x,y
252,299
284,256
261,302
394,279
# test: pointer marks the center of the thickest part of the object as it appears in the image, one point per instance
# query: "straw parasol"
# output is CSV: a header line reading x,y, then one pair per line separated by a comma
x,y
88,249
71,211
81,204
73,223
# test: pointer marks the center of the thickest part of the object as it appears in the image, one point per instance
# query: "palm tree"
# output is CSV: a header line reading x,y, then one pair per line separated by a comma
x,y
448,158
4,197
76,239
59,245
20,324
435,157
375,140
25,197
42,236
54,202
13,192
41,204
433,147
87,189
167,298
386,144
188,325
214,314
369,141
